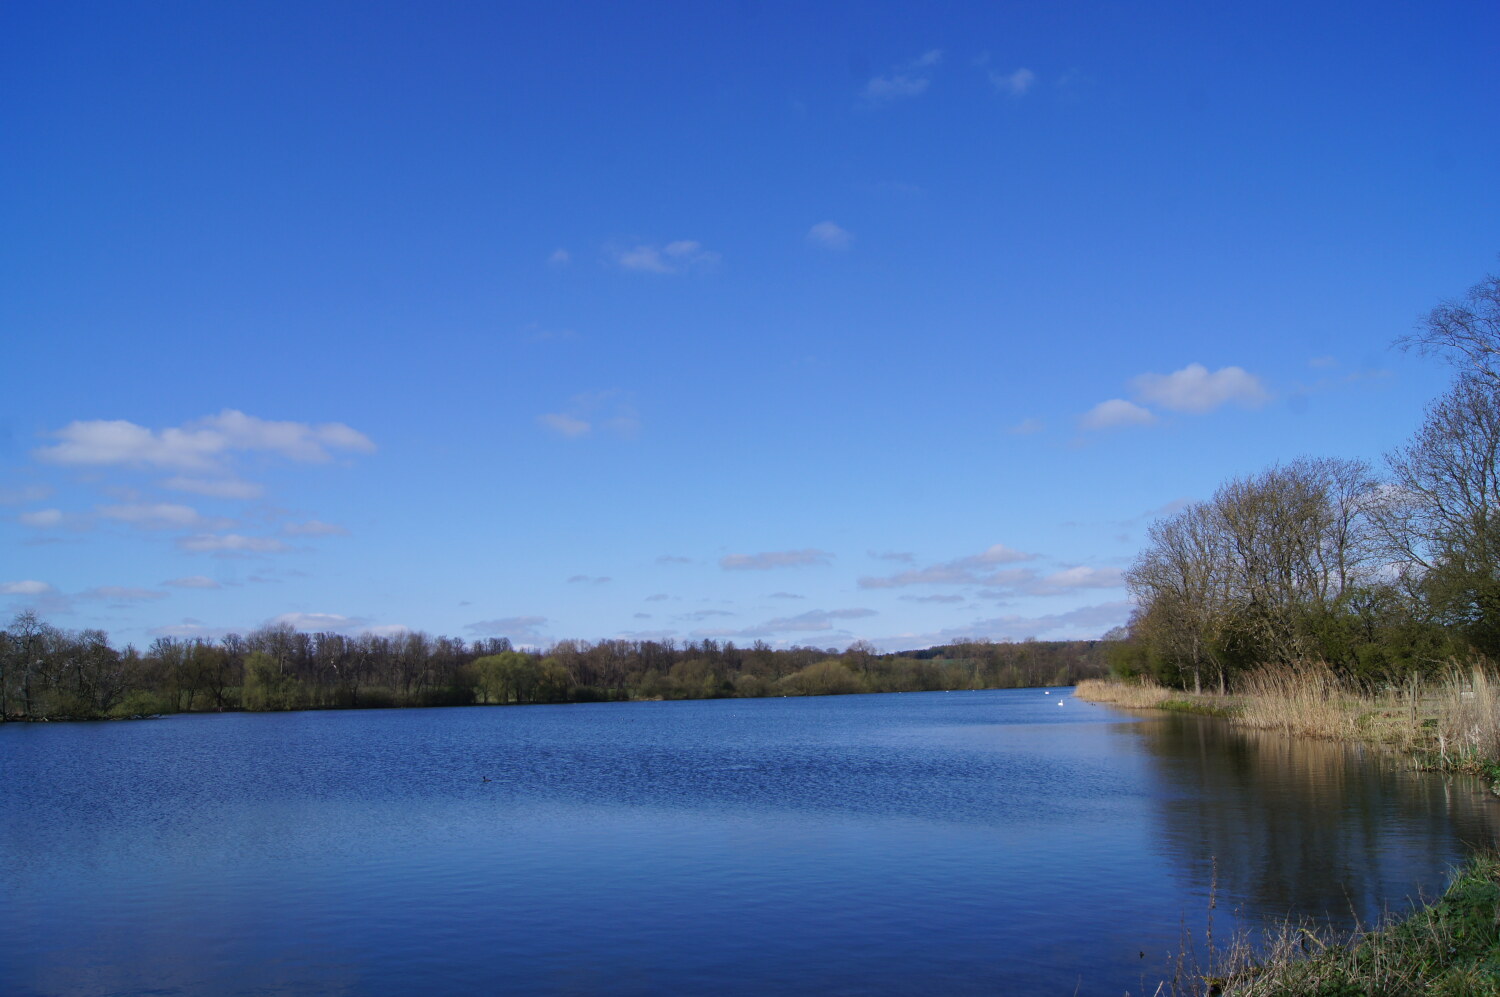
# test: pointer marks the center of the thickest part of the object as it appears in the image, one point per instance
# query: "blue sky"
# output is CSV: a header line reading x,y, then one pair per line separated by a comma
x,y
794,322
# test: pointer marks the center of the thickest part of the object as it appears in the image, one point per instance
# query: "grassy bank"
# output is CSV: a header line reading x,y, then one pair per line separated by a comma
x,y
1449,947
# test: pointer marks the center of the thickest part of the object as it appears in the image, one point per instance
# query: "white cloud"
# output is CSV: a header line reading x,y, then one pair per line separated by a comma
x,y
229,488
673,559
675,257
313,528
998,554
193,582
203,543
699,615
521,629
26,587
42,518
972,570
202,445
590,580
932,598
161,516
122,593
830,236
766,560
813,621
1075,578
318,622
1085,622
1195,389
1014,84
909,79
1116,412
560,257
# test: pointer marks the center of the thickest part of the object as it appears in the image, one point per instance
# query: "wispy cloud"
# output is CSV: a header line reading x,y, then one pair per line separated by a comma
x,y
766,560
829,235
675,257
193,582
230,543
42,518
813,621
590,580
228,488
909,79
1081,623
673,559
977,569
1027,427
319,622
121,594
560,257
565,425
313,528
521,629
904,556
1016,83
26,587
603,411
23,494
161,516
197,446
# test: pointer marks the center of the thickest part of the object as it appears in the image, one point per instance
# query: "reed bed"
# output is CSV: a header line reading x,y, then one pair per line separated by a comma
x,y
1141,693
1448,722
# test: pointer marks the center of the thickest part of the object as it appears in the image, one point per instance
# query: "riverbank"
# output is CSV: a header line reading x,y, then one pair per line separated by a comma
x,y
1448,947
1451,946
1448,724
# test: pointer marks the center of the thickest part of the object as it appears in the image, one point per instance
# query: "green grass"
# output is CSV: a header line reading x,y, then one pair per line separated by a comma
x,y
1449,948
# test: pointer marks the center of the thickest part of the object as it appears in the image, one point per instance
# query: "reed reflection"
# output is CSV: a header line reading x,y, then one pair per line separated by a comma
x,y
1295,826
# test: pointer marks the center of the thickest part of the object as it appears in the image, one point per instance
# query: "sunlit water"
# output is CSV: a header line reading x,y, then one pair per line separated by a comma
x,y
976,842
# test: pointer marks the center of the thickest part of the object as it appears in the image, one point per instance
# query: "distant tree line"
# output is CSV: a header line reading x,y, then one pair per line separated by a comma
x,y
48,673
1380,575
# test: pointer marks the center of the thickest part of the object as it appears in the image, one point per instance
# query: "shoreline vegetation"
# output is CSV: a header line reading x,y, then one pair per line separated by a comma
x,y
1324,597
1448,724
52,674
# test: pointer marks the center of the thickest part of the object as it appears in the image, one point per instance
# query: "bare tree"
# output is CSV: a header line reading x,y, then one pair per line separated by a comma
x,y
1441,518
1466,332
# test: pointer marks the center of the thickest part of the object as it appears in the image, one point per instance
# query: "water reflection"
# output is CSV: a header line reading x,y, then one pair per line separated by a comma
x,y
972,843
1298,826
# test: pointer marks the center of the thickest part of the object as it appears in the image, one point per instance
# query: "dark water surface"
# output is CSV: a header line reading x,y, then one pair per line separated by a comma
x,y
956,843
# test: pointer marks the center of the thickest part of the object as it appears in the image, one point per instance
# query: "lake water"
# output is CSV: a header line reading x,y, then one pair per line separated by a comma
x,y
956,843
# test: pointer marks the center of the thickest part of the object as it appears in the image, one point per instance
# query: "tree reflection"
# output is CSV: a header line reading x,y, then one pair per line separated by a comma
x,y
1294,826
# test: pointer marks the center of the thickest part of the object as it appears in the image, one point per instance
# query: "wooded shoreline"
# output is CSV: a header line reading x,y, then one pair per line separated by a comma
x,y
52,674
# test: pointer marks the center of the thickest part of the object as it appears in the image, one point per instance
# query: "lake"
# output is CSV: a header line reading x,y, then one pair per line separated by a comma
x,y
956,843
